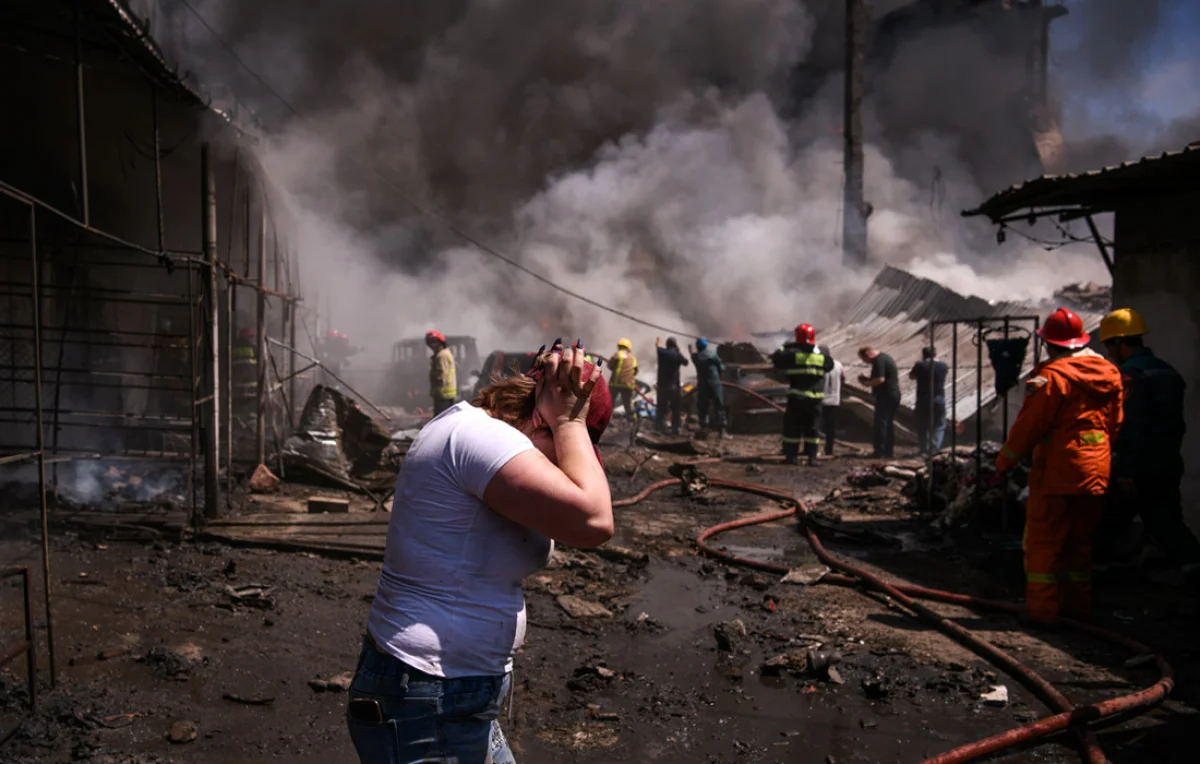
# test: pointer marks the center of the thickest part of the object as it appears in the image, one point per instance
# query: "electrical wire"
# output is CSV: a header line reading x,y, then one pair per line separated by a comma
x,y
426,211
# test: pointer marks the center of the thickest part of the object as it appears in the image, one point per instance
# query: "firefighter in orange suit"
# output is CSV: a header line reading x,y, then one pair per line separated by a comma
x,y
1071,414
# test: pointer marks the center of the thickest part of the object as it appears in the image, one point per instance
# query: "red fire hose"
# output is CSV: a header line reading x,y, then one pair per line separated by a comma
x,y
1069,716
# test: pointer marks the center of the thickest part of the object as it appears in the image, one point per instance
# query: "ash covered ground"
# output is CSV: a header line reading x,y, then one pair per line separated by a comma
x,y
202,652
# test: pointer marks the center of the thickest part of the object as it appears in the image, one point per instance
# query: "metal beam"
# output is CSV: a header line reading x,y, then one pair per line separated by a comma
x,y
854,207
261,337
1108,262
211,327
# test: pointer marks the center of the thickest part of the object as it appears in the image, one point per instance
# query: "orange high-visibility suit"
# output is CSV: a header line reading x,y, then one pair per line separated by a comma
x,y
1071,414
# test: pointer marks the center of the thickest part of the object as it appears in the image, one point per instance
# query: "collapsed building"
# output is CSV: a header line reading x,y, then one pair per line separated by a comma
x,y
901,314
1152,257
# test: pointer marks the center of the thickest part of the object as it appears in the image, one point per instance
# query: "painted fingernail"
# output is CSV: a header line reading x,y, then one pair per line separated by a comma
x,y
541,350
578,342
557,342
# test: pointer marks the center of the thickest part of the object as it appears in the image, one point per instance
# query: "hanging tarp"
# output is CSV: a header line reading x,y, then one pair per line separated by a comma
x,y
1007,357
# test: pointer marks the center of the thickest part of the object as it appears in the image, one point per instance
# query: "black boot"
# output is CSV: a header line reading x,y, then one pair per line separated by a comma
x,y
811,450
791,453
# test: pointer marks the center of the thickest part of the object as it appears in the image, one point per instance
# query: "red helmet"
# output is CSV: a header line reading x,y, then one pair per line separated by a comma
x,y
1065,329
435,335
343,336
806,334
333,333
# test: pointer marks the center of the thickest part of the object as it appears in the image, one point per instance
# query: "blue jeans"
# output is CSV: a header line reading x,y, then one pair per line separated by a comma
x,y
931,429
399,715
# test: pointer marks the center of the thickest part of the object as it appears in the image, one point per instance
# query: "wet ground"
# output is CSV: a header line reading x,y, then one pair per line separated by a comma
x,y
692,661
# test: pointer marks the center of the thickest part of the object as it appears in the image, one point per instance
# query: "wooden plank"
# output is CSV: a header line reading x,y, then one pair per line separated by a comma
x,y
302,518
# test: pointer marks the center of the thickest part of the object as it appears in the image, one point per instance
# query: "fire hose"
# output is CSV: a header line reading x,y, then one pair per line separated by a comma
x,y
1069,716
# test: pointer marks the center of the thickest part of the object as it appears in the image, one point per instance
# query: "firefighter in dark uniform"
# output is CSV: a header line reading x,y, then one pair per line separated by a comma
x,y
806,366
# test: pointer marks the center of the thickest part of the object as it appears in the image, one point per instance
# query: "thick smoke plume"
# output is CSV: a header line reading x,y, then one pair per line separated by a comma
x,y
679,161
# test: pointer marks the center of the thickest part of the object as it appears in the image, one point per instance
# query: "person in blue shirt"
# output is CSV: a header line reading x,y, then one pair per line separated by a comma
x,y
930,376
709,394
1147,463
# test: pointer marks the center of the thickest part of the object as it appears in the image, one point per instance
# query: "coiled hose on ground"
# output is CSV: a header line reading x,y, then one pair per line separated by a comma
x,y
1069,716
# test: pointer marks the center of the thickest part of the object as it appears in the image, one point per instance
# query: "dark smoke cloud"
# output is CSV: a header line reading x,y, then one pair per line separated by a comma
x,y
677,159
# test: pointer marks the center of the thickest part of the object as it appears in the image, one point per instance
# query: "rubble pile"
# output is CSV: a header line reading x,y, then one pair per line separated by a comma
x,y
958,491
337,441
1091,297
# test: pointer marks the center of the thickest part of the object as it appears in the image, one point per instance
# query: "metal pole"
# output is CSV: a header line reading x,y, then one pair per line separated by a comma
x,y
80,114
1004,420
212,435
31,651
230,291
1108,263
854,222
336,378
929,435
1037,346
158,195
954,389
294,316
978,411
194,385
41,437
261,336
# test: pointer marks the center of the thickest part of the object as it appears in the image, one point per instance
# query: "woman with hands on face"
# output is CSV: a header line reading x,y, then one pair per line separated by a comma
x,y
485,490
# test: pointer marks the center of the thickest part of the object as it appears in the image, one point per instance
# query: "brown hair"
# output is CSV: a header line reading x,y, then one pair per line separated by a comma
x,y
511,399
865,350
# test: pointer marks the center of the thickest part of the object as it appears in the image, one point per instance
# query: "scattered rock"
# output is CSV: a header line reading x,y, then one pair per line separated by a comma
x,y
789,662
834,676
1140,660
806,575
183,732
263,480
251,595
998,696
730,635
339,683
755,581
590,678
173,662
578,608
114,652
256,701
876,687
820,663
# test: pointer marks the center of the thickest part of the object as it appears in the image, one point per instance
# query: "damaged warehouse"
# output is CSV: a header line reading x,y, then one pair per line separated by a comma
x,y
242,519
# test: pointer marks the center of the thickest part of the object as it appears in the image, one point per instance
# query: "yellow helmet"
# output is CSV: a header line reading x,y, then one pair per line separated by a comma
x,y
625,343
1124,322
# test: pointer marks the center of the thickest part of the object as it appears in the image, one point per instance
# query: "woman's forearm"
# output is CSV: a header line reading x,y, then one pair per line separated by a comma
x,y
577,459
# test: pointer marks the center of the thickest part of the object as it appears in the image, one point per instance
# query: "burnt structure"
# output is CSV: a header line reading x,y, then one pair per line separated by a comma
x,y
145,267
1152,257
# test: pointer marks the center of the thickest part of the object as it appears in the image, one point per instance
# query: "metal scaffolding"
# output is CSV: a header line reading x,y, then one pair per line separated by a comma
x,y
113,350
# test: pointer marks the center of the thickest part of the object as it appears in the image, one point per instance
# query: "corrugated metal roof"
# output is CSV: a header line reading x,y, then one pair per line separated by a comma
x,y
1098,188
894,315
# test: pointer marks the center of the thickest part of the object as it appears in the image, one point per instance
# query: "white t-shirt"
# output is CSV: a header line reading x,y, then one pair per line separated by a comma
x,y
833,385
449,601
